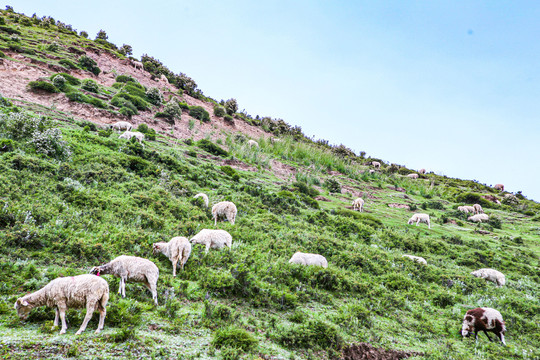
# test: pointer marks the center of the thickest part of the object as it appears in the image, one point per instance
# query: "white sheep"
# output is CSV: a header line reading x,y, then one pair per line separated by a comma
x,y
203,196
82,291
121,125
491,275
418,259
418,218
131,268
499,187
466,209
483,319
422,171
164,79
253,143
358,204
413,176
478,209
308,259
178,248
137,65
215,239
224,209
129,134
376,164
478,218
371,171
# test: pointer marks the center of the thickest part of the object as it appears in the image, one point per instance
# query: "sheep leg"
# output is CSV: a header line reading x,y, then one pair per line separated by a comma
x,y
501,337
207,248
174,262
62,310
55,324
90,307
490,339
102,313
120,286
124,286
417,221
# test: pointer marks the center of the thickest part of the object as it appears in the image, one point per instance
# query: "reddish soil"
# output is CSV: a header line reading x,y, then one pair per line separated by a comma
x,y
399,206
364,351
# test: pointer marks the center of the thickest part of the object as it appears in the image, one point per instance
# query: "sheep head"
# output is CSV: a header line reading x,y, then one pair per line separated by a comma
x,y
468,326
98,270
23,308
156,248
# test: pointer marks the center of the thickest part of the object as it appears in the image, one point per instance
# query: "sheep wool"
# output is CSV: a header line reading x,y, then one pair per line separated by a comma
x,y
308,259
253,143
422,171
358,204
75,292
131,268
215,239
129,134
376,164
478,209
121,125
413,176
478,218
418,259
483,319
499,187
178,248
491,275
224,209
203,196
418,218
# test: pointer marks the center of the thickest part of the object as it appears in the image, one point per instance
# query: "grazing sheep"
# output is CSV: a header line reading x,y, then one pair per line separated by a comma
x,y
499,187
478,209
371,171
178,248
73,292
215,239
358,204
308,259
253,143
137,65
422,171
420,218
418,259
224,209
164,79
413,176
466,209
129,134
203,196
121,125
274,140
131,268
491,275
478,218
483,319
376,164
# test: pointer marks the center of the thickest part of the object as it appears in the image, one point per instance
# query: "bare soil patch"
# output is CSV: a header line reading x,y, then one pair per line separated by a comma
x,y
365,351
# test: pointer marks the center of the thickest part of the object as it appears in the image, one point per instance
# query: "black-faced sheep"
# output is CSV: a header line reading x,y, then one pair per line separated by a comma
x,y
178,248
491,275
224,209
82,291
215,239
131,268
483,319
308,259
418,218
358,204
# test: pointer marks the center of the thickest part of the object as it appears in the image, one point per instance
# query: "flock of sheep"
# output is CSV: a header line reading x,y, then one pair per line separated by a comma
x,y
90,291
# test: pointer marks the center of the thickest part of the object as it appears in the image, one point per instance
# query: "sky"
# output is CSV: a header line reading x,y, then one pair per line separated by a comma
x,y
449,86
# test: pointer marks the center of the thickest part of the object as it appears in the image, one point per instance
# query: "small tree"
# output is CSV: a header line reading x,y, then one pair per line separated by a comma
x,y
155,96
102,35
84,34
126,50
231,106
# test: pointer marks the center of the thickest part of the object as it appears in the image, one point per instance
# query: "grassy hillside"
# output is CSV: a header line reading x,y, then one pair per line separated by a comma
x,y
73,195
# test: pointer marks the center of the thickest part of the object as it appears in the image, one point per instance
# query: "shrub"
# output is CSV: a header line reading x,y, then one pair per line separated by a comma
x,y
2,55
231,106
219,111
154,96
125,79
228,118
149,133
199,113
212,148
59,81
126,111
171,111
4,102
102,35
89,64
90,85
139,103
72,80
50,143
43,85
84,34
82,98
494,222
312,333
183,106
53,47
232,336
332,186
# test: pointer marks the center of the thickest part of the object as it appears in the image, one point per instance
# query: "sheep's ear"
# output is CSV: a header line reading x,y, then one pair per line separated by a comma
x,y
25,303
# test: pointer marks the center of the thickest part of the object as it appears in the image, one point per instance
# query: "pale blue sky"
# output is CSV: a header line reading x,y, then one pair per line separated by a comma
x,y
449,86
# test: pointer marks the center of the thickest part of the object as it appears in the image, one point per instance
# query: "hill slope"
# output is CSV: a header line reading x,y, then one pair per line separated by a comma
x,y
74,195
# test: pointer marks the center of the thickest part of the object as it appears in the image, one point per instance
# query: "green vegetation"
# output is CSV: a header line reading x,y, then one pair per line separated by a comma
x,y
199,113
73,196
